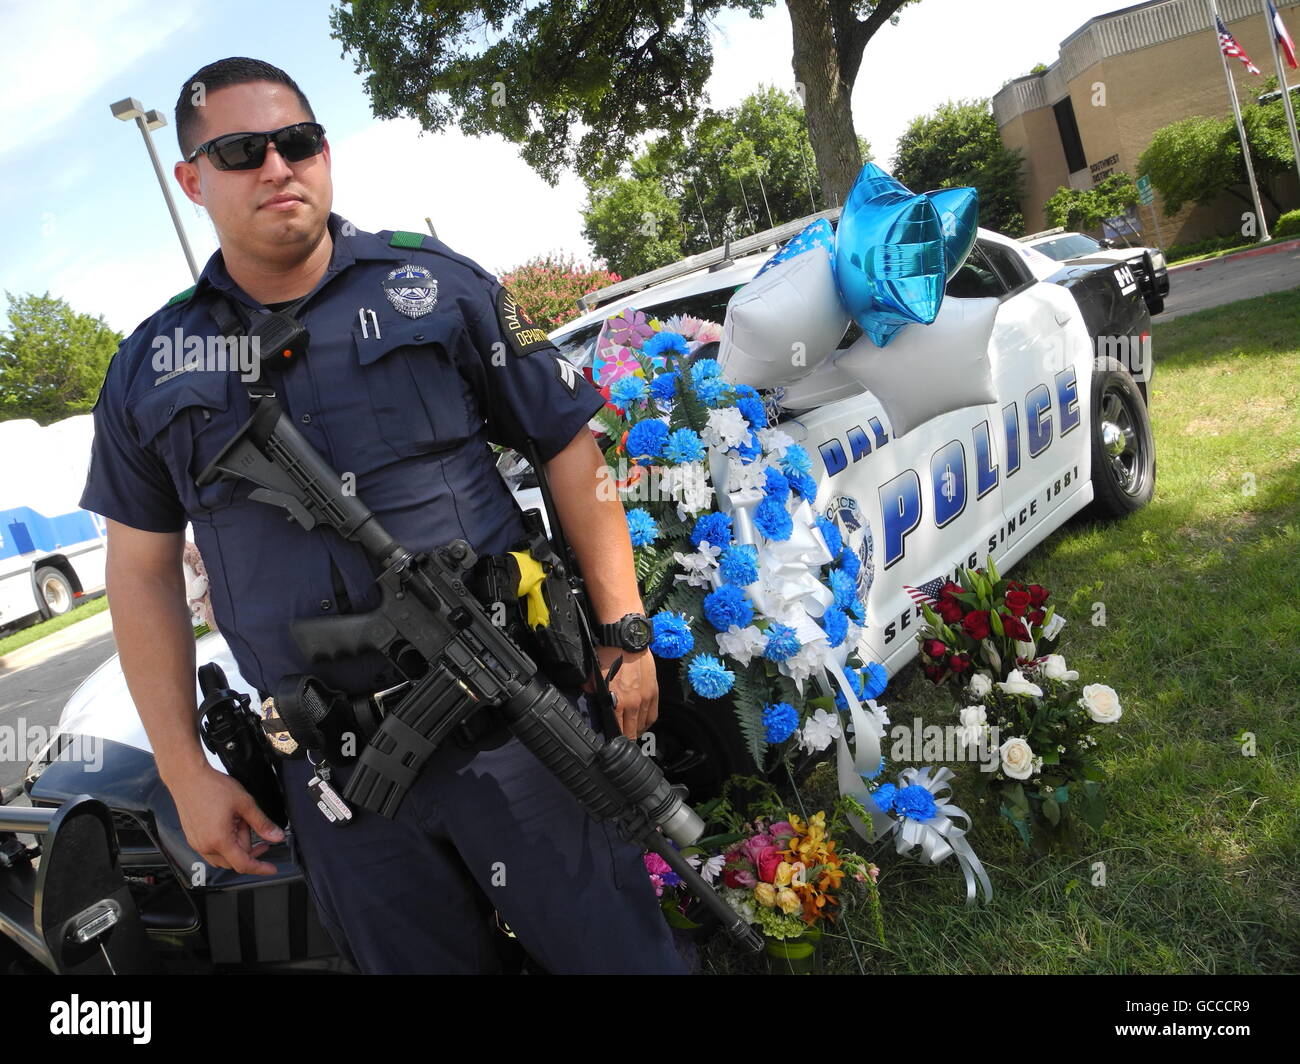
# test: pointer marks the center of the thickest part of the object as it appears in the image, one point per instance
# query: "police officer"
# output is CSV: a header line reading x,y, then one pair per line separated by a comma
x,y
417,359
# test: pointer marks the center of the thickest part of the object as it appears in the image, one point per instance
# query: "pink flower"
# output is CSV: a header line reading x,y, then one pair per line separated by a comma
x,y
659,886
618,362
754,846
782,830
656,865
630,328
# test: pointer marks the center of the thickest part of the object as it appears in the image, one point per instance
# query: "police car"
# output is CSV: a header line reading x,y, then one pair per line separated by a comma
x,y
1142,267
919,486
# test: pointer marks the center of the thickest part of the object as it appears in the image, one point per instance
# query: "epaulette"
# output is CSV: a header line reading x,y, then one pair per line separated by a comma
x,y
401,239
181,297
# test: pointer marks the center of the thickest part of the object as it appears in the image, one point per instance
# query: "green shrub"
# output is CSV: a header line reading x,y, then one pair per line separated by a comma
x,y
1206,247
1288,224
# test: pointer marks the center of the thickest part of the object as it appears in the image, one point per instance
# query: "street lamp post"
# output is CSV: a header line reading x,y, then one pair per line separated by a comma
x,y
131,108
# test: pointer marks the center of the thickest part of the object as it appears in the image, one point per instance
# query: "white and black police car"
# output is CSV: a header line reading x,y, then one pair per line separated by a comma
x,y
1022,405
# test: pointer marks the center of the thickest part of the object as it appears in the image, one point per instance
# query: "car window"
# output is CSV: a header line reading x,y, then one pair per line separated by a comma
x,y
976,279
1067,247
1009,266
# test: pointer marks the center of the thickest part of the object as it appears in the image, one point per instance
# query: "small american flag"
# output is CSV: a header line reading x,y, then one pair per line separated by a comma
x,y
1228,46
926,594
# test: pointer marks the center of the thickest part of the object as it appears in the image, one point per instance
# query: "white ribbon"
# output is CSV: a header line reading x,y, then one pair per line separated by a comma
x,y
938,837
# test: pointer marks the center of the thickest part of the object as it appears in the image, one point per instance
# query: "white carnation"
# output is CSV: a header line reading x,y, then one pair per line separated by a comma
x,y
727,428
819,731
742,644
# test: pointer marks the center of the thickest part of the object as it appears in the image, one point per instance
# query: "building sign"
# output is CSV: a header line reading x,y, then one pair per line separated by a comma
x,y
1122,226
1103,169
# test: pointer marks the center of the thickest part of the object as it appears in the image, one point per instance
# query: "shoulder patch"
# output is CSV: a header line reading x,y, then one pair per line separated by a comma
x,y
181,297
401,239
517,328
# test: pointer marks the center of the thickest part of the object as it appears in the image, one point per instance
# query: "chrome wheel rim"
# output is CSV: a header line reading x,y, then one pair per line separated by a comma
x,y
56,595
1121,444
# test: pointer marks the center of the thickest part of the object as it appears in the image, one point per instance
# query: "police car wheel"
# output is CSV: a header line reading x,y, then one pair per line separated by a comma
x,y
54,591
1123,447
1155,304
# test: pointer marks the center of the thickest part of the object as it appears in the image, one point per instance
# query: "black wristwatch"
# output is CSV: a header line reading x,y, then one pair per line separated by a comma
x,y
632,633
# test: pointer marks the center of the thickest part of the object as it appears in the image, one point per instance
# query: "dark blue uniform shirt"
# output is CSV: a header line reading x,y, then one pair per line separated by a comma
x,y
406,404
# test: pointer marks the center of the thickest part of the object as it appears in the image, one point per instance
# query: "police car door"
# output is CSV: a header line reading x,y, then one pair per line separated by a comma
x,y
1041,370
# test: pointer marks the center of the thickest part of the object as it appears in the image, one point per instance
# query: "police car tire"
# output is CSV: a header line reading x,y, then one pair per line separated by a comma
x,y
1155,304
50,575
1110,496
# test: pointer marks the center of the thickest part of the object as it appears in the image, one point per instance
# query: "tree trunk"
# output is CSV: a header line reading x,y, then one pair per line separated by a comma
x,y
825,99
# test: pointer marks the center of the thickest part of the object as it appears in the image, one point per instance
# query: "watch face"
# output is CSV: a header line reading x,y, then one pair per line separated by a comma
x,y
636,633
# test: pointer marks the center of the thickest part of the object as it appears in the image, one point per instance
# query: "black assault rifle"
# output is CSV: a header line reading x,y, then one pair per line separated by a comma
x,y
430,625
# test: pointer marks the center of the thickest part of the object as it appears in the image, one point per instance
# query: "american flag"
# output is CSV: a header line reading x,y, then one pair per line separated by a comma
x,y
1279,32
1228,46
926,594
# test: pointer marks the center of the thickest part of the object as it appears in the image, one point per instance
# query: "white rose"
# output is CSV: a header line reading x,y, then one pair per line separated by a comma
x,y
1053,668
1017,759
980,685
1102,703
973,721
1016,684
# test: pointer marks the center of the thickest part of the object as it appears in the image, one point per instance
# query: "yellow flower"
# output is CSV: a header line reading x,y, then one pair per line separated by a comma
x,y
784,874
765,895
789,902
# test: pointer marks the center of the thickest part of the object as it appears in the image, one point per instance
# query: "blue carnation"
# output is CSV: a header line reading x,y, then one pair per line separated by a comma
x,y
646,439
711,390
796,459
672,635
843,588
641,527
753,411
728,607
750,450
780,721
708,677
851,564
739,564
872,775
705,369
662,342
915,802
664,387
802,484
885,796
775,486
627,390
744,391
856,610
836,625
772,519
782,642
831,534
683,446
855,684
716,528
874,680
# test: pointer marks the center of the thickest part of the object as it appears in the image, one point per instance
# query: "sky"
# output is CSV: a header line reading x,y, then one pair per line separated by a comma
x,y
83,218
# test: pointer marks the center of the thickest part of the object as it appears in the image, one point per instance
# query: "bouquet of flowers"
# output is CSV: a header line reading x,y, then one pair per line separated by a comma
x,y
1020,707
746,586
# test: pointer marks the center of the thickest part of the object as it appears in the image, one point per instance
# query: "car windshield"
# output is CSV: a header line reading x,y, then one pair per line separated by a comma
x,y
1069,246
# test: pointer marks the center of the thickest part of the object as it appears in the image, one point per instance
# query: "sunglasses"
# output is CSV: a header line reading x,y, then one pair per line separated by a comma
x,y
247,151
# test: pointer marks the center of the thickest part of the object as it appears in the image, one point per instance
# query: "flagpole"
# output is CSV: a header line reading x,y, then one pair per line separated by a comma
x,y
1241,129
1281,80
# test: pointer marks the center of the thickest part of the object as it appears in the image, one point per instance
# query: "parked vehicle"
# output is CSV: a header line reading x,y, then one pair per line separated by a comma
x,y
1147,266
1063,425
52,552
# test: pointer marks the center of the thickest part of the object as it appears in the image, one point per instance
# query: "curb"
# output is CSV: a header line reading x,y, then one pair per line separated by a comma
x,y
1289,245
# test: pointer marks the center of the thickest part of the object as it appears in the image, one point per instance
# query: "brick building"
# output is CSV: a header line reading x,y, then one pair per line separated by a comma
x,y
1122,76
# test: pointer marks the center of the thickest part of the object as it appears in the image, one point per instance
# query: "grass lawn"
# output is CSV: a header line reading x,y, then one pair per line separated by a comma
x,y
82,609
1201,848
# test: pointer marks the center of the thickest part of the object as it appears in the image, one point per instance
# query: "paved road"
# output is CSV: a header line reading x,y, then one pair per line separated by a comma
x,y
36,680
1219,281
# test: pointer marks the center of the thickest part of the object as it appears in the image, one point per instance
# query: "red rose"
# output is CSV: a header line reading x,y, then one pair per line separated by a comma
x,y
950,610
1014,627
1018,602
935,649
976,624
767,863
933,673
951,590
1037,595
959,663
1037,616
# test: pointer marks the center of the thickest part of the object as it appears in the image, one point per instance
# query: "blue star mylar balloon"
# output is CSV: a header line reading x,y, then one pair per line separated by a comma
x,y
959,215
818,234
890,259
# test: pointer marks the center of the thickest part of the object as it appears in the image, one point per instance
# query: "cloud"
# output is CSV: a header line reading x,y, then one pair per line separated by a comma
x,y
60,53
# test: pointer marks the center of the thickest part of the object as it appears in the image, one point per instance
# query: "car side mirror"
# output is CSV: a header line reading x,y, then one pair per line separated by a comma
x,y
1106,243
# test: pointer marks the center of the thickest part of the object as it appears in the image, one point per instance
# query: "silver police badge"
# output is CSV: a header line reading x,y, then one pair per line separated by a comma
x,y
412,290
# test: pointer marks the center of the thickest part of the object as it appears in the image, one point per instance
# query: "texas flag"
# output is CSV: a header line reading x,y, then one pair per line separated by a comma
x,y
1283,38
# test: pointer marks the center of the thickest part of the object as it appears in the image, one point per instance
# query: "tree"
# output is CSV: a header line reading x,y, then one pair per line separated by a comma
x,y
959,145
1076,208
52,359
577,83
1198,159
548,287
734,172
